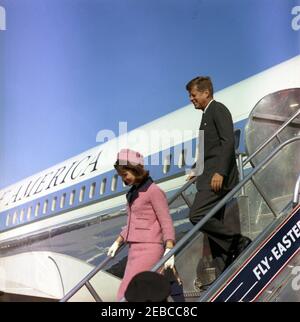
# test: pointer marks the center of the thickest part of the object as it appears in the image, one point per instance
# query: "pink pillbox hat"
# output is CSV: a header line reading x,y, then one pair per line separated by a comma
x,y
133,157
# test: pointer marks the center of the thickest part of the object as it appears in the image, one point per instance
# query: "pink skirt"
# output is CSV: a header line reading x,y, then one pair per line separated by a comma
x,y
141,257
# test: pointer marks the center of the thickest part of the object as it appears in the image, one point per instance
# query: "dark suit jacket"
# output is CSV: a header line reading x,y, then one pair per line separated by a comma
x,y
219,153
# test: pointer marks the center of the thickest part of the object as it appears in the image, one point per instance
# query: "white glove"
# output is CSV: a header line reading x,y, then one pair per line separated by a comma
x,y
171,261
113,248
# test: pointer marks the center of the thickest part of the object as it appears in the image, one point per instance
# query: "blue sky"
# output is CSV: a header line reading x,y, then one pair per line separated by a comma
x,y
69,68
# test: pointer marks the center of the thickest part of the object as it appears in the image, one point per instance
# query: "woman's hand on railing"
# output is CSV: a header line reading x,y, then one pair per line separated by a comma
x,y
113,248
171,261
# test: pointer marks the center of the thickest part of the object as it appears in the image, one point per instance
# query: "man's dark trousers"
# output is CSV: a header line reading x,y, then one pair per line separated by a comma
x,y
221,237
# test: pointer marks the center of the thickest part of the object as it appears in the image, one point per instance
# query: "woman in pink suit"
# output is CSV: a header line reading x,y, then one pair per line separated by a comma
x,y
149,231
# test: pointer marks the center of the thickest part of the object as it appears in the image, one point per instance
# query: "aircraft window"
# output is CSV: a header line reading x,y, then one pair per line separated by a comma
x,y
81,194
15,217
22,215
72,197
37,209
103,186
29,213
114,182
181,161
54,202
45,208
62,200
167,163
7,220
92,190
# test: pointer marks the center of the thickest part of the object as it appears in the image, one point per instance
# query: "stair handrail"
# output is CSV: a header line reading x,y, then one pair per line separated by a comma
x,y
296,197
96,269
185,239
253,246
189,235
283,126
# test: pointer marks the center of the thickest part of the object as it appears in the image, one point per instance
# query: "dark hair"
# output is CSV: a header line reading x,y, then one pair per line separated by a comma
x,y
138,170
148,287
202,83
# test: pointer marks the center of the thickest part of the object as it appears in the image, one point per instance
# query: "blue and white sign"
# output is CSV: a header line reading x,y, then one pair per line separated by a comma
x,y
259,271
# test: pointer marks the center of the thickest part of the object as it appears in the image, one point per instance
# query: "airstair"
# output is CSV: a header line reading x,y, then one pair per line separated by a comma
x,y
264,206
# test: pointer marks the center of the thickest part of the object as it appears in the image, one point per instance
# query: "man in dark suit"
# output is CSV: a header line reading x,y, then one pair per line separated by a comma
x,y
220,172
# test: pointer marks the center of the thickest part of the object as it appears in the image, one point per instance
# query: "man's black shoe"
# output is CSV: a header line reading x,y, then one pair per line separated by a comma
x,y
239,244
230,259
242,244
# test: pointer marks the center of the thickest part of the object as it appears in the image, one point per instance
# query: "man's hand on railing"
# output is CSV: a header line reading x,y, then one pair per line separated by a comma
x,y
191,176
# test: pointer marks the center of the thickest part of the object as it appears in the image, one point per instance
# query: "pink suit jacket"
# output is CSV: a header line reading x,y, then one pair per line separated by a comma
x,y
149,219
